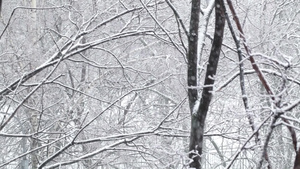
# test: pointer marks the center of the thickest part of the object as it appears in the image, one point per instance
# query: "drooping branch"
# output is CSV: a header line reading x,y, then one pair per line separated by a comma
x,y
162,28
4,123
69,49
88,155
180,25
178,17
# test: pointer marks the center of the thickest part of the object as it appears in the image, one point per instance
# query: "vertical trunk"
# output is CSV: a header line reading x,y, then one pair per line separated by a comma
x,y
192,53
297,160
34,143
33,26
192,84
95,8
33,114
24,160
199,109
0,7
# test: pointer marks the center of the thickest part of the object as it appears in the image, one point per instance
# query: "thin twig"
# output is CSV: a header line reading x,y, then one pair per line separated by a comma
x,y
242,79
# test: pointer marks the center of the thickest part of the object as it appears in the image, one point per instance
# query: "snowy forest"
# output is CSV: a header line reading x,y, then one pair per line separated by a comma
x,y
129,84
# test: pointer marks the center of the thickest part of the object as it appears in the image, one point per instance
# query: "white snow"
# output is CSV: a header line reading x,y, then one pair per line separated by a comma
x,y
196,107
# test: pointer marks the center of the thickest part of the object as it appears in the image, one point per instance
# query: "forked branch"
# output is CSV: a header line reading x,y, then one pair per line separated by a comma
x,y
266,86
199,107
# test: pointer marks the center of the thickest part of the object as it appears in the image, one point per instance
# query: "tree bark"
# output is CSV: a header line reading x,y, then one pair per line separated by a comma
x,y
192,53
34,115
297,160
199,110
0,7
192,83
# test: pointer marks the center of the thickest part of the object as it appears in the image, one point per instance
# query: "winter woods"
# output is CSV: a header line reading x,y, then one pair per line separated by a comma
x,y
149,84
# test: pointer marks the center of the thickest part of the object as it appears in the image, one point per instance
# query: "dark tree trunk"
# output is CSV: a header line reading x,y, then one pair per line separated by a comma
x,y
192,79
297,160
199,111
0,7
192,53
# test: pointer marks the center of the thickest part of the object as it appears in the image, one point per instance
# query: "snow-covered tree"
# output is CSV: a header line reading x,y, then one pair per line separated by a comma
x,y
149,84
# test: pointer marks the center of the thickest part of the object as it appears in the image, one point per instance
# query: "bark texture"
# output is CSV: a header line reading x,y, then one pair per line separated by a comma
x,y
0,7
200,111
192,53
297,160
268,90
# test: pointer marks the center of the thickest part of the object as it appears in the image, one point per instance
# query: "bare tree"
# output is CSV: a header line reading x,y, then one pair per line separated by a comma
x,y
199,106
117,84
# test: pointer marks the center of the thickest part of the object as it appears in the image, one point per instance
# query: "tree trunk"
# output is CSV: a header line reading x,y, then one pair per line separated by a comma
x,y
0,7
34,114
297,160
198,108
